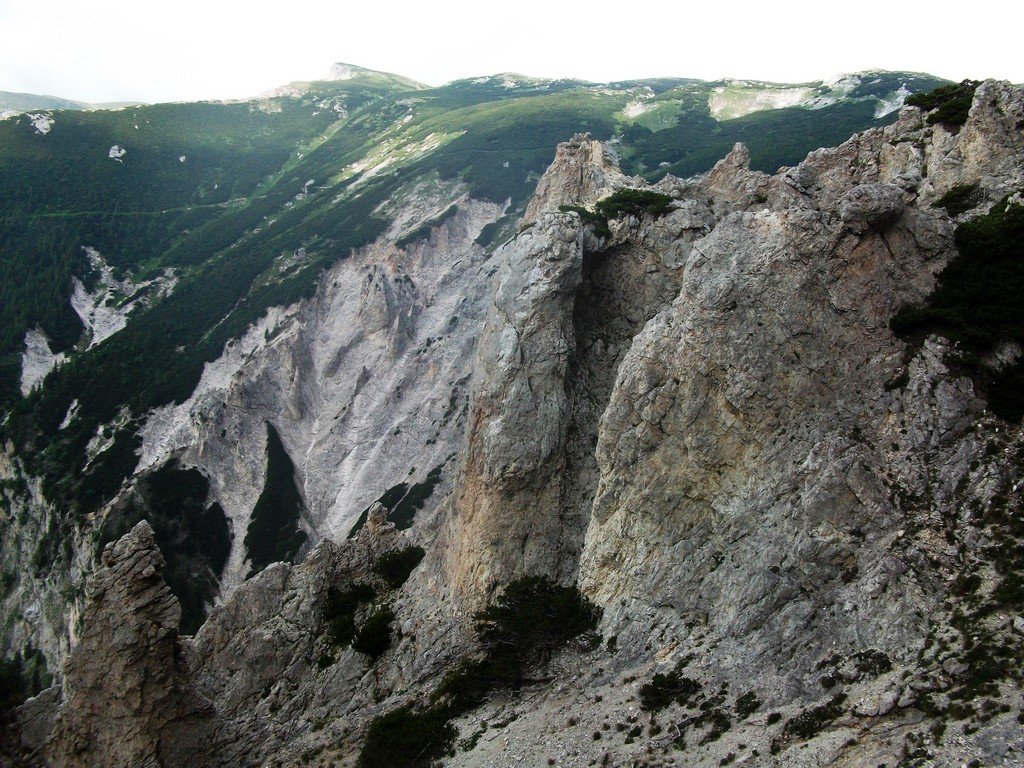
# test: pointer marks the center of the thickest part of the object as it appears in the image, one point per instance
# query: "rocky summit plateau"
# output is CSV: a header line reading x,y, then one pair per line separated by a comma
x,y
515,423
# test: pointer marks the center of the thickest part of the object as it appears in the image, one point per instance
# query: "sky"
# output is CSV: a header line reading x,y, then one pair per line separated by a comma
x,y
154,50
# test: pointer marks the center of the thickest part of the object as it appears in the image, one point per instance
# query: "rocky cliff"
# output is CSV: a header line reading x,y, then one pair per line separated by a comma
x,y
802,530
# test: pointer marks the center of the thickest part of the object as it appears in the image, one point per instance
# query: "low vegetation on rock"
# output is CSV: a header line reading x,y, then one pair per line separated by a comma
x,y
960,199
947,104
977,303
339,611
532,619
623,202
274,534
374,636
396,566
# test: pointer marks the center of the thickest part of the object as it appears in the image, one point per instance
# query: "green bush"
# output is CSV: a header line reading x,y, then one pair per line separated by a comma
x,y
634,202
624,202
664,689
422,232
402,501
1006,392
405,738
274,534
471,681
948,104
960,198
533,617
747,704
193,536
21,677
339,611
12,685
976,302
396,566
374,637
872,662
811,721
596,220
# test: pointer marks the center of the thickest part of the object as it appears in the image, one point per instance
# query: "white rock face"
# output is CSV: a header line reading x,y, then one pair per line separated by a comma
x,y
42,122
104,311
740,97
37,360
116,152
736,100
366,382
342,71
520,413
895,101
584,171
637,108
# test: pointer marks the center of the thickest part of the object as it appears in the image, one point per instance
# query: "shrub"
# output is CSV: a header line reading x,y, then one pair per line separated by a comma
x,y
405,738
747,704
12,685
596,220
872,662
977,301
273,534
422,232
634,202
469,683
192,536
959,199
339,611
664,689
533,617
374,637
948,104
811,721
624,202
402,501
21,677
396,566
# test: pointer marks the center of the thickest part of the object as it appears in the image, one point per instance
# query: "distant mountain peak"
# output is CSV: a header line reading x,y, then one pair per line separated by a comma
x,y
341,71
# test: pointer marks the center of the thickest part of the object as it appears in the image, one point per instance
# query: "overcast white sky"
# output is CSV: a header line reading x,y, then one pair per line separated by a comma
x,y
109,50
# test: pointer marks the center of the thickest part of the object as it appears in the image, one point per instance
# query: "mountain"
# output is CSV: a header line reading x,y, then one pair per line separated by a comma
x,y
16,103
342,366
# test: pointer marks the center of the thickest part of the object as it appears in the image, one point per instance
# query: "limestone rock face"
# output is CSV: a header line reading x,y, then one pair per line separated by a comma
x,y
584,171
127,698
754,450
871,205
519,412
366,382
986,149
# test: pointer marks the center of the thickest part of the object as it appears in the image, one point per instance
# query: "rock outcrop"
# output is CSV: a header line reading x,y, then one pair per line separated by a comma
x,y
506,517
127,697
584,170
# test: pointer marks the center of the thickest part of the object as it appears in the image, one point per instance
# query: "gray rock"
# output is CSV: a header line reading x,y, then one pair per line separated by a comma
x,y
128,699
871,206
